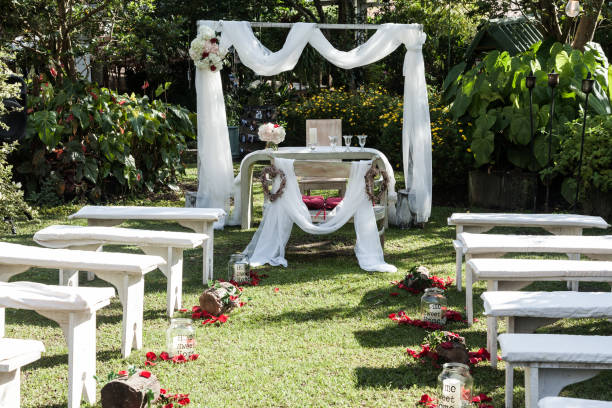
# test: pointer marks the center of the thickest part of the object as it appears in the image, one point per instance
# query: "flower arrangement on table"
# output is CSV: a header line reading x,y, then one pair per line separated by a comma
x,y
271,133
205,50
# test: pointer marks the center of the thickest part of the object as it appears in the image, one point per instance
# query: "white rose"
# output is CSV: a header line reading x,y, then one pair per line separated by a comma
x,y
266,132
279,134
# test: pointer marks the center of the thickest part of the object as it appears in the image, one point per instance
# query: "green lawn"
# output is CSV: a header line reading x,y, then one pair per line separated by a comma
x,y
323,339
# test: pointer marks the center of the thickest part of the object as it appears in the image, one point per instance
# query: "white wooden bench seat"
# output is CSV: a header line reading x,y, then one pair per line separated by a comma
x,y
496,245
124,271
557,224
526,311
167,244
560,402
74,309
200,220
552,362
14,354
515,274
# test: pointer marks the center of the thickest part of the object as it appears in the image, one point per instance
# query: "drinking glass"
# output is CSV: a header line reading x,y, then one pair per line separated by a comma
x,y
333,141
347,142
362,140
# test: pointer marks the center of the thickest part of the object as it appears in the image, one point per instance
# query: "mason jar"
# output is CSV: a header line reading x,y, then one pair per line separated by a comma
x,y
180,337
433,306
455,384
238,269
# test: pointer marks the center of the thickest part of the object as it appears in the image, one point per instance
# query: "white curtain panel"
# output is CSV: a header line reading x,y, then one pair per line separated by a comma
x,y
416,132
268,244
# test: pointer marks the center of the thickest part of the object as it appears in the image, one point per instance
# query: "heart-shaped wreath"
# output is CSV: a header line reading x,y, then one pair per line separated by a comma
x,y
372,175
267,177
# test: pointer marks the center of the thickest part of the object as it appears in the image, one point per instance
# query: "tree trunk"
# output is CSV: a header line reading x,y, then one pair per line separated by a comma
x,y
129,392
587,25
64,42
550,20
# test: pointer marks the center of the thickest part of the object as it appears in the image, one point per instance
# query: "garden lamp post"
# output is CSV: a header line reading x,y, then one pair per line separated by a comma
x,y
587,88
530,81
553,81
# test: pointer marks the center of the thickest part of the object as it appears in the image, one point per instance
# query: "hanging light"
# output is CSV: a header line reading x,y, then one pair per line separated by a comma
x,y
572,9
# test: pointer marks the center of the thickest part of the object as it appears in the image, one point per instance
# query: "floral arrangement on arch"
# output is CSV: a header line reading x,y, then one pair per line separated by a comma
x,y
271,133
205,50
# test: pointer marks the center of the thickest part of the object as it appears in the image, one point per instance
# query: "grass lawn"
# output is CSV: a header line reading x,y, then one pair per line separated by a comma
x,y
323,339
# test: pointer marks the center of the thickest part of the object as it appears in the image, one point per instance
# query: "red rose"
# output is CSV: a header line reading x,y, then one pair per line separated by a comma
x,y
170,405
164,356
145,374
145,85
195,309
122,373
179,358
150,363
184,401
93,95
213,68
276,289
204,54
214,41
223,318
196,315
194,357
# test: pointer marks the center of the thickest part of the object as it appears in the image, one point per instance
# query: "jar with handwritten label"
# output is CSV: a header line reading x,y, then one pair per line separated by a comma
x,y
455,384
238,268
180,337
433,306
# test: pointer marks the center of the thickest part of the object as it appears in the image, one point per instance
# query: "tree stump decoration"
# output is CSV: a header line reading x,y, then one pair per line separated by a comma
x,y
456,353
418,278
129,392
216,300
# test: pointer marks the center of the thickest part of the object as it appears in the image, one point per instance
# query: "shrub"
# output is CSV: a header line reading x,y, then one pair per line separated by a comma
x,y
12,205
87,142
493,96
596,173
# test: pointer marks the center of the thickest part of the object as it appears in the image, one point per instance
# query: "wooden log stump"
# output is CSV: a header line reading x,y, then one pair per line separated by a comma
x,y
129,392
216,300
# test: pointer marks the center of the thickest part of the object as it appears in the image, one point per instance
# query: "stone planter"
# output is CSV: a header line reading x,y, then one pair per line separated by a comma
x,y
503,190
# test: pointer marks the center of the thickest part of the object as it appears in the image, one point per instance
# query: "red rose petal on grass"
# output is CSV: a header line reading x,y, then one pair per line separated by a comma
x,y
170,405
150,363
182,310
179,358
184,401
194,357
222,318
122,373
394,294
276,289
162,391
164,356
145,374
151,356
195,309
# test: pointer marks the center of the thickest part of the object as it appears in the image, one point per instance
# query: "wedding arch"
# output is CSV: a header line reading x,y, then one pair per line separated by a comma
x,y
215,170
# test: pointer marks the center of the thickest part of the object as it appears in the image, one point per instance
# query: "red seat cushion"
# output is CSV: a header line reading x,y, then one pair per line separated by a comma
x,y
314,202
332,202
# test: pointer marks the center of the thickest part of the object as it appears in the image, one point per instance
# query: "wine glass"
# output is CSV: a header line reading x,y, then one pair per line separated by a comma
x,y
333,141
362,140
347,142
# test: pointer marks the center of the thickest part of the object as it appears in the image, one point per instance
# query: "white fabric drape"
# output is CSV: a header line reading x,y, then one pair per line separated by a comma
x,y
268,243
215,169
416,133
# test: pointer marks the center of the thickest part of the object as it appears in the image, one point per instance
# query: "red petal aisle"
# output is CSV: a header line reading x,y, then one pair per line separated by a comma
x,y
402,318
427,401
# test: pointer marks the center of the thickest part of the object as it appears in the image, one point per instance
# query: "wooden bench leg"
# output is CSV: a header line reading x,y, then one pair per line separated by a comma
x,y
492,339
509,385
80,332
173,270
458,263
69,277
131,293
9,388
468,295
548,382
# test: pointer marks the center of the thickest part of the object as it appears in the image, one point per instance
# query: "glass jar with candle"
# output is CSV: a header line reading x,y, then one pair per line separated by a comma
x,y
180,337
455,384
313,140
238,268
434,306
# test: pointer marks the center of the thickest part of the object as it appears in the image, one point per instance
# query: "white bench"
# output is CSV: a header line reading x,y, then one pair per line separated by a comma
x,y
74,309
200,220
166,244
557,224
526,311
124,271
14,354
515,274
496,245
552,362
560,402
